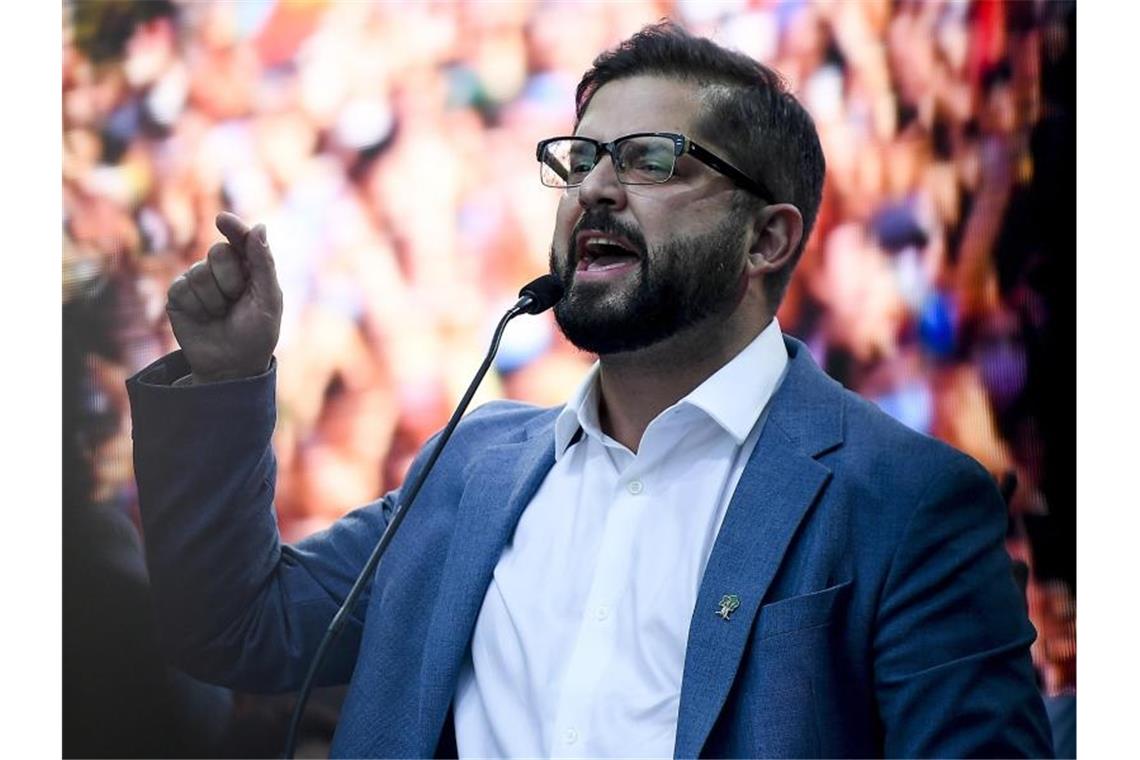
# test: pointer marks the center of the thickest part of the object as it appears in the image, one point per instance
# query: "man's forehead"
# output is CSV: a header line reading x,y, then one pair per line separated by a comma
x,y
640,104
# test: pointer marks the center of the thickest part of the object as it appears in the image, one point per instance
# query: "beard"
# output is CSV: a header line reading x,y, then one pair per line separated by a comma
x,y
682,283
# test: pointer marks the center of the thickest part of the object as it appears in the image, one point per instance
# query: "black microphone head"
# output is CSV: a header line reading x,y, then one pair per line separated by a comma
x,y
543,293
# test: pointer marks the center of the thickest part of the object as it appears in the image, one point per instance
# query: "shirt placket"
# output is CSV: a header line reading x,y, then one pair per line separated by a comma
x,y
602,615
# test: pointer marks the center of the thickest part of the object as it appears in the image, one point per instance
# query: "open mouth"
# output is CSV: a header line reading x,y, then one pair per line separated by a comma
x,y
599,253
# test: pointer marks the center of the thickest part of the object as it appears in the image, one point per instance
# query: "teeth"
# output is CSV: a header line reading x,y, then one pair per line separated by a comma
x,y
593,246
603,241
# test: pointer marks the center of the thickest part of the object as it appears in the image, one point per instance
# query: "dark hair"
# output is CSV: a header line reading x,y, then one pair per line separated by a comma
x,y
747,110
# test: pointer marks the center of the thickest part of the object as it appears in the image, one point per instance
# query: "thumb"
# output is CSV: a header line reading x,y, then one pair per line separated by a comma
x,y
262,269
261,266
251,246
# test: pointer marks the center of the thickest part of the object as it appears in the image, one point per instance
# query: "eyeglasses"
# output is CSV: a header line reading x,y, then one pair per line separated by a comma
x,y
642,158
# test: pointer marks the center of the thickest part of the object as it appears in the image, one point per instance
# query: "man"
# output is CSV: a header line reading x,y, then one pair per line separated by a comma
x,y
712,549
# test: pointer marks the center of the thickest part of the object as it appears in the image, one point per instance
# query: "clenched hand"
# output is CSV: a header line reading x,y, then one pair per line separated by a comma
x,y
226,309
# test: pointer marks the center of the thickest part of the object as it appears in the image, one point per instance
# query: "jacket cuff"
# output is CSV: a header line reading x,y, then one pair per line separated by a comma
x,y
159,406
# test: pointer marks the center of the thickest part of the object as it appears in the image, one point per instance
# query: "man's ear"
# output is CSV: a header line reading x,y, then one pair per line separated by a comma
x,y
777,230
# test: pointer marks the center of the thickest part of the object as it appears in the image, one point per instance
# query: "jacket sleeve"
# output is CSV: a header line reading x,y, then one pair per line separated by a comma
x,y
953,674
235,606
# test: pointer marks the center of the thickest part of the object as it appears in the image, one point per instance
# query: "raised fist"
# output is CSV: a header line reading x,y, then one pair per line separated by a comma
x,y
226,309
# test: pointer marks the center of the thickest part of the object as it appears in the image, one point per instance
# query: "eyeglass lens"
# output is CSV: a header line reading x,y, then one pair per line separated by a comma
x,y
642,160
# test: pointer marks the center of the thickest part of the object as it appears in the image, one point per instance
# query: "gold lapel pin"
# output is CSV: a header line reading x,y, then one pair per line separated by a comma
x,y
728,605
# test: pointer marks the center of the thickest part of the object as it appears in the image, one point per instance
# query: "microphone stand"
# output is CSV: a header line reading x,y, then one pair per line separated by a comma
x,y
532,301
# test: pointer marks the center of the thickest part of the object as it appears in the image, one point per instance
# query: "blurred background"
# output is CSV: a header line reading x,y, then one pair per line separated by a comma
x,y
389,149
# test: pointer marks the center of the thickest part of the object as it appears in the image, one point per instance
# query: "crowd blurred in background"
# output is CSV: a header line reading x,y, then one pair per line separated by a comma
x,y
389,149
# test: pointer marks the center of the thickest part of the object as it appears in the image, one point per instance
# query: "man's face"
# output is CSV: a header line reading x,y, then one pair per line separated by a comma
x,y
642,262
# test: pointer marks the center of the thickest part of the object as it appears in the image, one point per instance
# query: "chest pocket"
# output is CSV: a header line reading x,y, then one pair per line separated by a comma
x,y
799,613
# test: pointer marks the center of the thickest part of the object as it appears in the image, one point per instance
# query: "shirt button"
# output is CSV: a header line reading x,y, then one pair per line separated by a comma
x,y
570,735
602,612
635,487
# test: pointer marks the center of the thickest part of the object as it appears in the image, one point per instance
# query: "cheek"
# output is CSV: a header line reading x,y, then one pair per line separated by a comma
x,y
679,212
568,212
564,220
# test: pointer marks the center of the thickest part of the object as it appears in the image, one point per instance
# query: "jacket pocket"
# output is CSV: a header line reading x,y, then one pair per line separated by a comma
x,y
799,612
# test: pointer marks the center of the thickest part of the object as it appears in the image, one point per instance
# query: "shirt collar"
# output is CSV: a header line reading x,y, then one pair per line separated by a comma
x,y
733,396
736,394
580,412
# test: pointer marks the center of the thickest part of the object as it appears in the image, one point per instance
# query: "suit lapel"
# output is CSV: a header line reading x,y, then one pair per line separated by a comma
x,y
778,486
499,485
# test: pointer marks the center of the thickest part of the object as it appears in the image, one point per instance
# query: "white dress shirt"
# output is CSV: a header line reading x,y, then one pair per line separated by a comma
x,y
579,647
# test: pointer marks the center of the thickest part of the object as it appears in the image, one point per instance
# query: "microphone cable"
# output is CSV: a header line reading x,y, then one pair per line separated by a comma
x,y
535,297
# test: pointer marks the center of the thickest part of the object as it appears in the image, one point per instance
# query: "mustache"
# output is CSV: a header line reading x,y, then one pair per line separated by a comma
x,y
603,221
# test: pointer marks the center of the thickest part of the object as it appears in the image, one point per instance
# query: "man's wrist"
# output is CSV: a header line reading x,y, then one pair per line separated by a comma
x,y
195,378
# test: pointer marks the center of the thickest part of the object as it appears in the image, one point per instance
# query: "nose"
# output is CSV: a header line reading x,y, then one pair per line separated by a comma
x,y
601,186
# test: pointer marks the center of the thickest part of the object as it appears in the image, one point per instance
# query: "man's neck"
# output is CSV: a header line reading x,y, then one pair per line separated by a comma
x,y
637,386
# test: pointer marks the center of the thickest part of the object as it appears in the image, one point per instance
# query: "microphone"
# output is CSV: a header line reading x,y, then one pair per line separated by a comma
x,y
540,294
535,297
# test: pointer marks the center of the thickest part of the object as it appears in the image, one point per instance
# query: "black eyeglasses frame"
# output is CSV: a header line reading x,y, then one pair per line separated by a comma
x,y
682,145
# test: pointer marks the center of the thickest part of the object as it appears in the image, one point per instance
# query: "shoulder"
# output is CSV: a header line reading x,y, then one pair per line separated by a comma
x,y
852,435
505,422
881,469
873,435
907,488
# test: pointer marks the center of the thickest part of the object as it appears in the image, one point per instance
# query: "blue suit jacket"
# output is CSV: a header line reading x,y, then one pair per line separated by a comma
x,y
878,613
